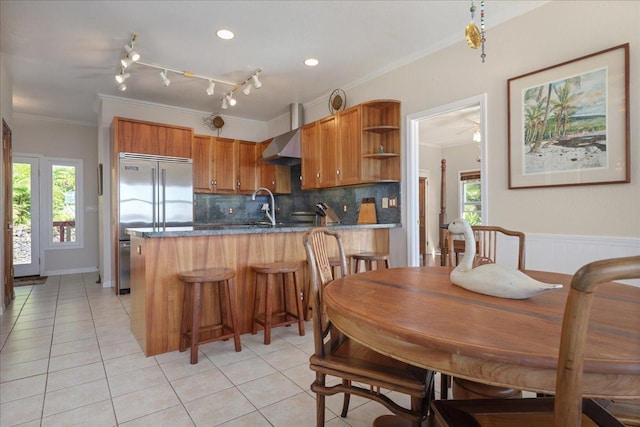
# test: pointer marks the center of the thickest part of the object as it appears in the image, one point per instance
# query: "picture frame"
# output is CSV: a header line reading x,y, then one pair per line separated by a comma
x,y
100,189
568,124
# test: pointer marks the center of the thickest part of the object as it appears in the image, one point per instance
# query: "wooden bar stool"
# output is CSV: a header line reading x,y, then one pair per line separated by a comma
x,y
368,258
286,316
191,307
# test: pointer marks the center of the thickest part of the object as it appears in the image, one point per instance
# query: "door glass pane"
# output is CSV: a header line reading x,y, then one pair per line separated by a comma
x,y
21,213
63,193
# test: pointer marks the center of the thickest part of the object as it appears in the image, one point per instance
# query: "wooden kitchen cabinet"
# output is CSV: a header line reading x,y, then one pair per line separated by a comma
x,y
224,161
247,168
310,152
380,141
356,146
135,136
223,165
202,164
349,151
328,145
277,178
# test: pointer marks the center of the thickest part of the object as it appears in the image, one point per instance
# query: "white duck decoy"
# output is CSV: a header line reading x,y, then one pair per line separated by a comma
x,y
491,279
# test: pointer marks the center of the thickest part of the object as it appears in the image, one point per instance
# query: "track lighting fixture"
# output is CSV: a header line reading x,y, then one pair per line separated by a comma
x,y
256,83
120,78
165,80
131,53
126,61
132,57
210,88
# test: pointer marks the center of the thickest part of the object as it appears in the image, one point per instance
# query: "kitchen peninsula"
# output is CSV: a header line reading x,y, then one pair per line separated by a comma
x,y
157,257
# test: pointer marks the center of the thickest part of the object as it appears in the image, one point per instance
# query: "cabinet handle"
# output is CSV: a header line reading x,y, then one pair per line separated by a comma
x,y
338,172
238,183
213,183
273,182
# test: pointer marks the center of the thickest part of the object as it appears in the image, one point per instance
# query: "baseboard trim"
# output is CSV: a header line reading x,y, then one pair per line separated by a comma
x,y
70,271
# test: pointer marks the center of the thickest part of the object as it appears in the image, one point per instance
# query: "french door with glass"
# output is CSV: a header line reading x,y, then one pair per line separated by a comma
x,y
26,216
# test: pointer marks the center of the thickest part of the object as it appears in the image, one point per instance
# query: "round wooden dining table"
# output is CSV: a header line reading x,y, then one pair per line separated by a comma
x,y
415,314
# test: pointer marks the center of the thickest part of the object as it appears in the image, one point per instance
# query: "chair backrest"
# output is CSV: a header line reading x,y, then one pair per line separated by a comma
x,y
568,402
315,244
486,237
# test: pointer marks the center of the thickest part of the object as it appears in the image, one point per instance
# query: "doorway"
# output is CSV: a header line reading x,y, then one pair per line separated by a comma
x,y
414,137
26,216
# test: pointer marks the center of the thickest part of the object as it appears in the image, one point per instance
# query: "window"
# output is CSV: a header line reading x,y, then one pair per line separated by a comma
x,y
65,203
470,203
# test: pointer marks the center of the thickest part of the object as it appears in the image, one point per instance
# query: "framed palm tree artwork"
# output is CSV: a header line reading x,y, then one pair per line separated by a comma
x,y
569,123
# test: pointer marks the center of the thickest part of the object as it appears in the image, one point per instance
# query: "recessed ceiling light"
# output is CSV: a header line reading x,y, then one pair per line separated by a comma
x,y
311,62
225,34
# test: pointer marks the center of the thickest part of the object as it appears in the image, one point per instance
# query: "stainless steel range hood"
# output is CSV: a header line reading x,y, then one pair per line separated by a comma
x,y
285,148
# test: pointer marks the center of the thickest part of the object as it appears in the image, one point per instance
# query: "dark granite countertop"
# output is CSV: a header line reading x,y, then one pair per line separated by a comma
x,y
223,229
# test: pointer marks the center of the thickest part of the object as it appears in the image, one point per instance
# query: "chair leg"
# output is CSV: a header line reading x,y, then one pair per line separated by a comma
x,y
195,323
347,398
186,307
231,297
444,386
416,407
320,404
256,306
268,308
298,294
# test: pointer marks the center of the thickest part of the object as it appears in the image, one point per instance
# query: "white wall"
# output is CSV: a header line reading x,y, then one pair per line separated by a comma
x,y
49,138
556,32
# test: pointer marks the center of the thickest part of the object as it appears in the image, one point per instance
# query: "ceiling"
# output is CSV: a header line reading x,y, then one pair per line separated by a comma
x,y
62,54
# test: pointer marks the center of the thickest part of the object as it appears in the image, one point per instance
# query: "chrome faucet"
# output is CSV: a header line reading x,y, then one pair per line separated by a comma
x,y
271,216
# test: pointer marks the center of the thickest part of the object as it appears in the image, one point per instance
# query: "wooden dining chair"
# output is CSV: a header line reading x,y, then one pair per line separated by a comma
x,y
568,408
486,237
338,356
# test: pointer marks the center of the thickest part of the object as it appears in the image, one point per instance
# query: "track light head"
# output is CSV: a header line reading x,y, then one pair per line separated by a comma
x,y
210,88
229,98
165,80
122,86
120,78
256,83
247,89
131,53
126,61
224,103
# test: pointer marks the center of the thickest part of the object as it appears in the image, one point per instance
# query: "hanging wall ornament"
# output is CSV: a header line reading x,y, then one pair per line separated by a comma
x,y
214,122
474,36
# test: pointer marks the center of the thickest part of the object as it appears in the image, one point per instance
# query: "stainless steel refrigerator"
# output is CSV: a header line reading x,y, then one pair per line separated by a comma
x,y
155,192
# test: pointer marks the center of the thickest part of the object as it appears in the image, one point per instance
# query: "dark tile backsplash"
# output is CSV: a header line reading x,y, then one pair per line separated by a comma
x,y
216,208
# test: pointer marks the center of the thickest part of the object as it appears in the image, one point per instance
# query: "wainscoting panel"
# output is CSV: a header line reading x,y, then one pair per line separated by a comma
x,y
566,253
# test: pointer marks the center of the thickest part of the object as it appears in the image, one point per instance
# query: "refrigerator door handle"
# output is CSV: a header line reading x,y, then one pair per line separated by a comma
x,y
164,198
154,201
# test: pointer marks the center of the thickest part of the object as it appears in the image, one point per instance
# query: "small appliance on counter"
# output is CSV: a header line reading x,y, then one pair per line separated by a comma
x,y
326,214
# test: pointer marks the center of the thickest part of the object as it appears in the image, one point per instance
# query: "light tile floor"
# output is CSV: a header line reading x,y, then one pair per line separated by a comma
x,y
68,358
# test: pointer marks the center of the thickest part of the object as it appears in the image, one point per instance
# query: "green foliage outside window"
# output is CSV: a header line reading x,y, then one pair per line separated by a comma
x,y
64,193
21,193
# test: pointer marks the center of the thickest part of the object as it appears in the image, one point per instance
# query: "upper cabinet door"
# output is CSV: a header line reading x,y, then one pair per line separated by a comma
x,y
133,136
349,148
224,165
329,171
310,150
202,164
247,167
